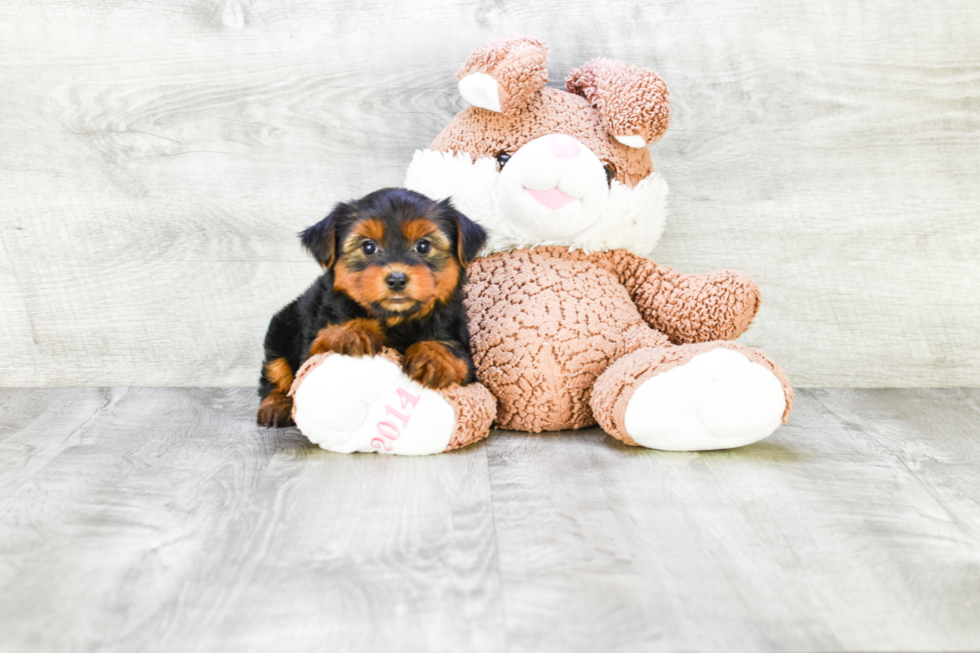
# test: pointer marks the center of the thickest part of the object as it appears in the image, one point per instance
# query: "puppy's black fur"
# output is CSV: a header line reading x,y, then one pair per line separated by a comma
x,y
393,269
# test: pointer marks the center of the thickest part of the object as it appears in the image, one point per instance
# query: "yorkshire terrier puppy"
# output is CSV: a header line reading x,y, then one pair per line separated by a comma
x,y
394,263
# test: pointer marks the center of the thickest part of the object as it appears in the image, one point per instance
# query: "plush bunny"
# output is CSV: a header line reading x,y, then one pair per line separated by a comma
x,y
348,404
570,323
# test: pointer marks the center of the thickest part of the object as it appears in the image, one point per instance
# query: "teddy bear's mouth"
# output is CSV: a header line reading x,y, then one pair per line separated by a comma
x,y
553,198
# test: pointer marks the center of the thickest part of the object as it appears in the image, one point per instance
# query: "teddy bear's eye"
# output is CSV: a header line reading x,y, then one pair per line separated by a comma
x,y
502,159
610,173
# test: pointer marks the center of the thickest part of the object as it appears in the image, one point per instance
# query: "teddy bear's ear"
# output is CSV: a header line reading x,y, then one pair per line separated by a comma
x,y
504,75
632,102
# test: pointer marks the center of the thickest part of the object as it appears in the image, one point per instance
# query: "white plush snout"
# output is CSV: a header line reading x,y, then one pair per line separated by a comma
x,y
553,188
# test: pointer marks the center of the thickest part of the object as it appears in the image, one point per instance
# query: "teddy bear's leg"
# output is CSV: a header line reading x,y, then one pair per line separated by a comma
x,y
715,395
347,404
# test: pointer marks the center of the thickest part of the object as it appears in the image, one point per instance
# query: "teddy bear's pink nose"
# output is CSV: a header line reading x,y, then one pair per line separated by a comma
x,y
564,147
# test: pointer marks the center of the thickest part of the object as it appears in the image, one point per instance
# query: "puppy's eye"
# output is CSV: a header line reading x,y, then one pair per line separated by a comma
x,y
423,246
610,173
502,159
368,247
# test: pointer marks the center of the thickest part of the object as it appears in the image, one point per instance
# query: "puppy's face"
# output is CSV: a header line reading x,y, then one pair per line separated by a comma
x,y
397,253
397,262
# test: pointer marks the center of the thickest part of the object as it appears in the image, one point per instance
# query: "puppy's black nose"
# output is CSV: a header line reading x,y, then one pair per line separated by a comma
x,y
396,280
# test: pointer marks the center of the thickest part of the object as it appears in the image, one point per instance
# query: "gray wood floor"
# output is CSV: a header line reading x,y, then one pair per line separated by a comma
x,y
162,519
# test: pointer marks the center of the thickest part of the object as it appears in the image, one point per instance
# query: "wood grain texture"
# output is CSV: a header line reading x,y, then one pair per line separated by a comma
x,y
157,161
163,520
169,522
853,528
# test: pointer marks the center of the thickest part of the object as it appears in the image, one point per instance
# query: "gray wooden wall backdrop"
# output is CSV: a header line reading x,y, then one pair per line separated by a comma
x,y
156,160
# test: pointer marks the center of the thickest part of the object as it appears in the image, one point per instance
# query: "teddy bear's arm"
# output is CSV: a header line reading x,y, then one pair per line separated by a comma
x,y
689,307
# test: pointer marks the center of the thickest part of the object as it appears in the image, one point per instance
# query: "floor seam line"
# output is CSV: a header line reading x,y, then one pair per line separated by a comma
x,y
496,547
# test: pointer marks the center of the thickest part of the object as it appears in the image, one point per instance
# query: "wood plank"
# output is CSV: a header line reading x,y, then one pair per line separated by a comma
x,y
179,311
947,467
172,523
821,538
158,161
163,520
38,425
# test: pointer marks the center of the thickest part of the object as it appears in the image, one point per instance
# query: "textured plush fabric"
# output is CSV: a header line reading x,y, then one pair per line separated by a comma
x,y
570,319
633,219
689,307
474,407
630,100
547,322
519,64
482,133
614,389
563,333
544,324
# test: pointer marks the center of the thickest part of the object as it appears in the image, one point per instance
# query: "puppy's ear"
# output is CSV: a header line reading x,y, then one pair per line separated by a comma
x,y
320,240
470,237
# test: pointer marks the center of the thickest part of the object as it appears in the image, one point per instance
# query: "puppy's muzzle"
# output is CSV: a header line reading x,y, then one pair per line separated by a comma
x,y
396,280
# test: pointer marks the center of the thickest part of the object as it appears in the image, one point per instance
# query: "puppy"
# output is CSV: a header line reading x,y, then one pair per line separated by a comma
x,y
394,263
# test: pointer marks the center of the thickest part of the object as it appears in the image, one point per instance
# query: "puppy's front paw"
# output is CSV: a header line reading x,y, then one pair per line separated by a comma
x,y
276,410
433,365
358,337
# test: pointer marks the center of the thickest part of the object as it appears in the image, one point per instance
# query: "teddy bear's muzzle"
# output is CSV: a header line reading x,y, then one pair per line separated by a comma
x,y
553,187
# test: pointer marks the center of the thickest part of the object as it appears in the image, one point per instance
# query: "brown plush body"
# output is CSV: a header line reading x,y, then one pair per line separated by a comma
x,y
567,322
608,305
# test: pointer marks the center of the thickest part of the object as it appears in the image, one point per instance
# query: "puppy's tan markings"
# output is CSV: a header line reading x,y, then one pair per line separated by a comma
x,y
365,287
418,228
446,281
276,408
345,280
370,228
280,374
443,285
433,365
357,337
420,285
371,287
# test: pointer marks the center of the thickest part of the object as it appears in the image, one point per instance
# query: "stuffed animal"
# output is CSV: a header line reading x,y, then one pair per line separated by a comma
x,y
348,404
571,324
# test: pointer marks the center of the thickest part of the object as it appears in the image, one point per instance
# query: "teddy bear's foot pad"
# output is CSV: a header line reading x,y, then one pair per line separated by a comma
x,y
717,400
347,404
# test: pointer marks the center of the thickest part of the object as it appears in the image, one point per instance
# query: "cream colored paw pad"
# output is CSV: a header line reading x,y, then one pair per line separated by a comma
x,y
718,400
349,404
